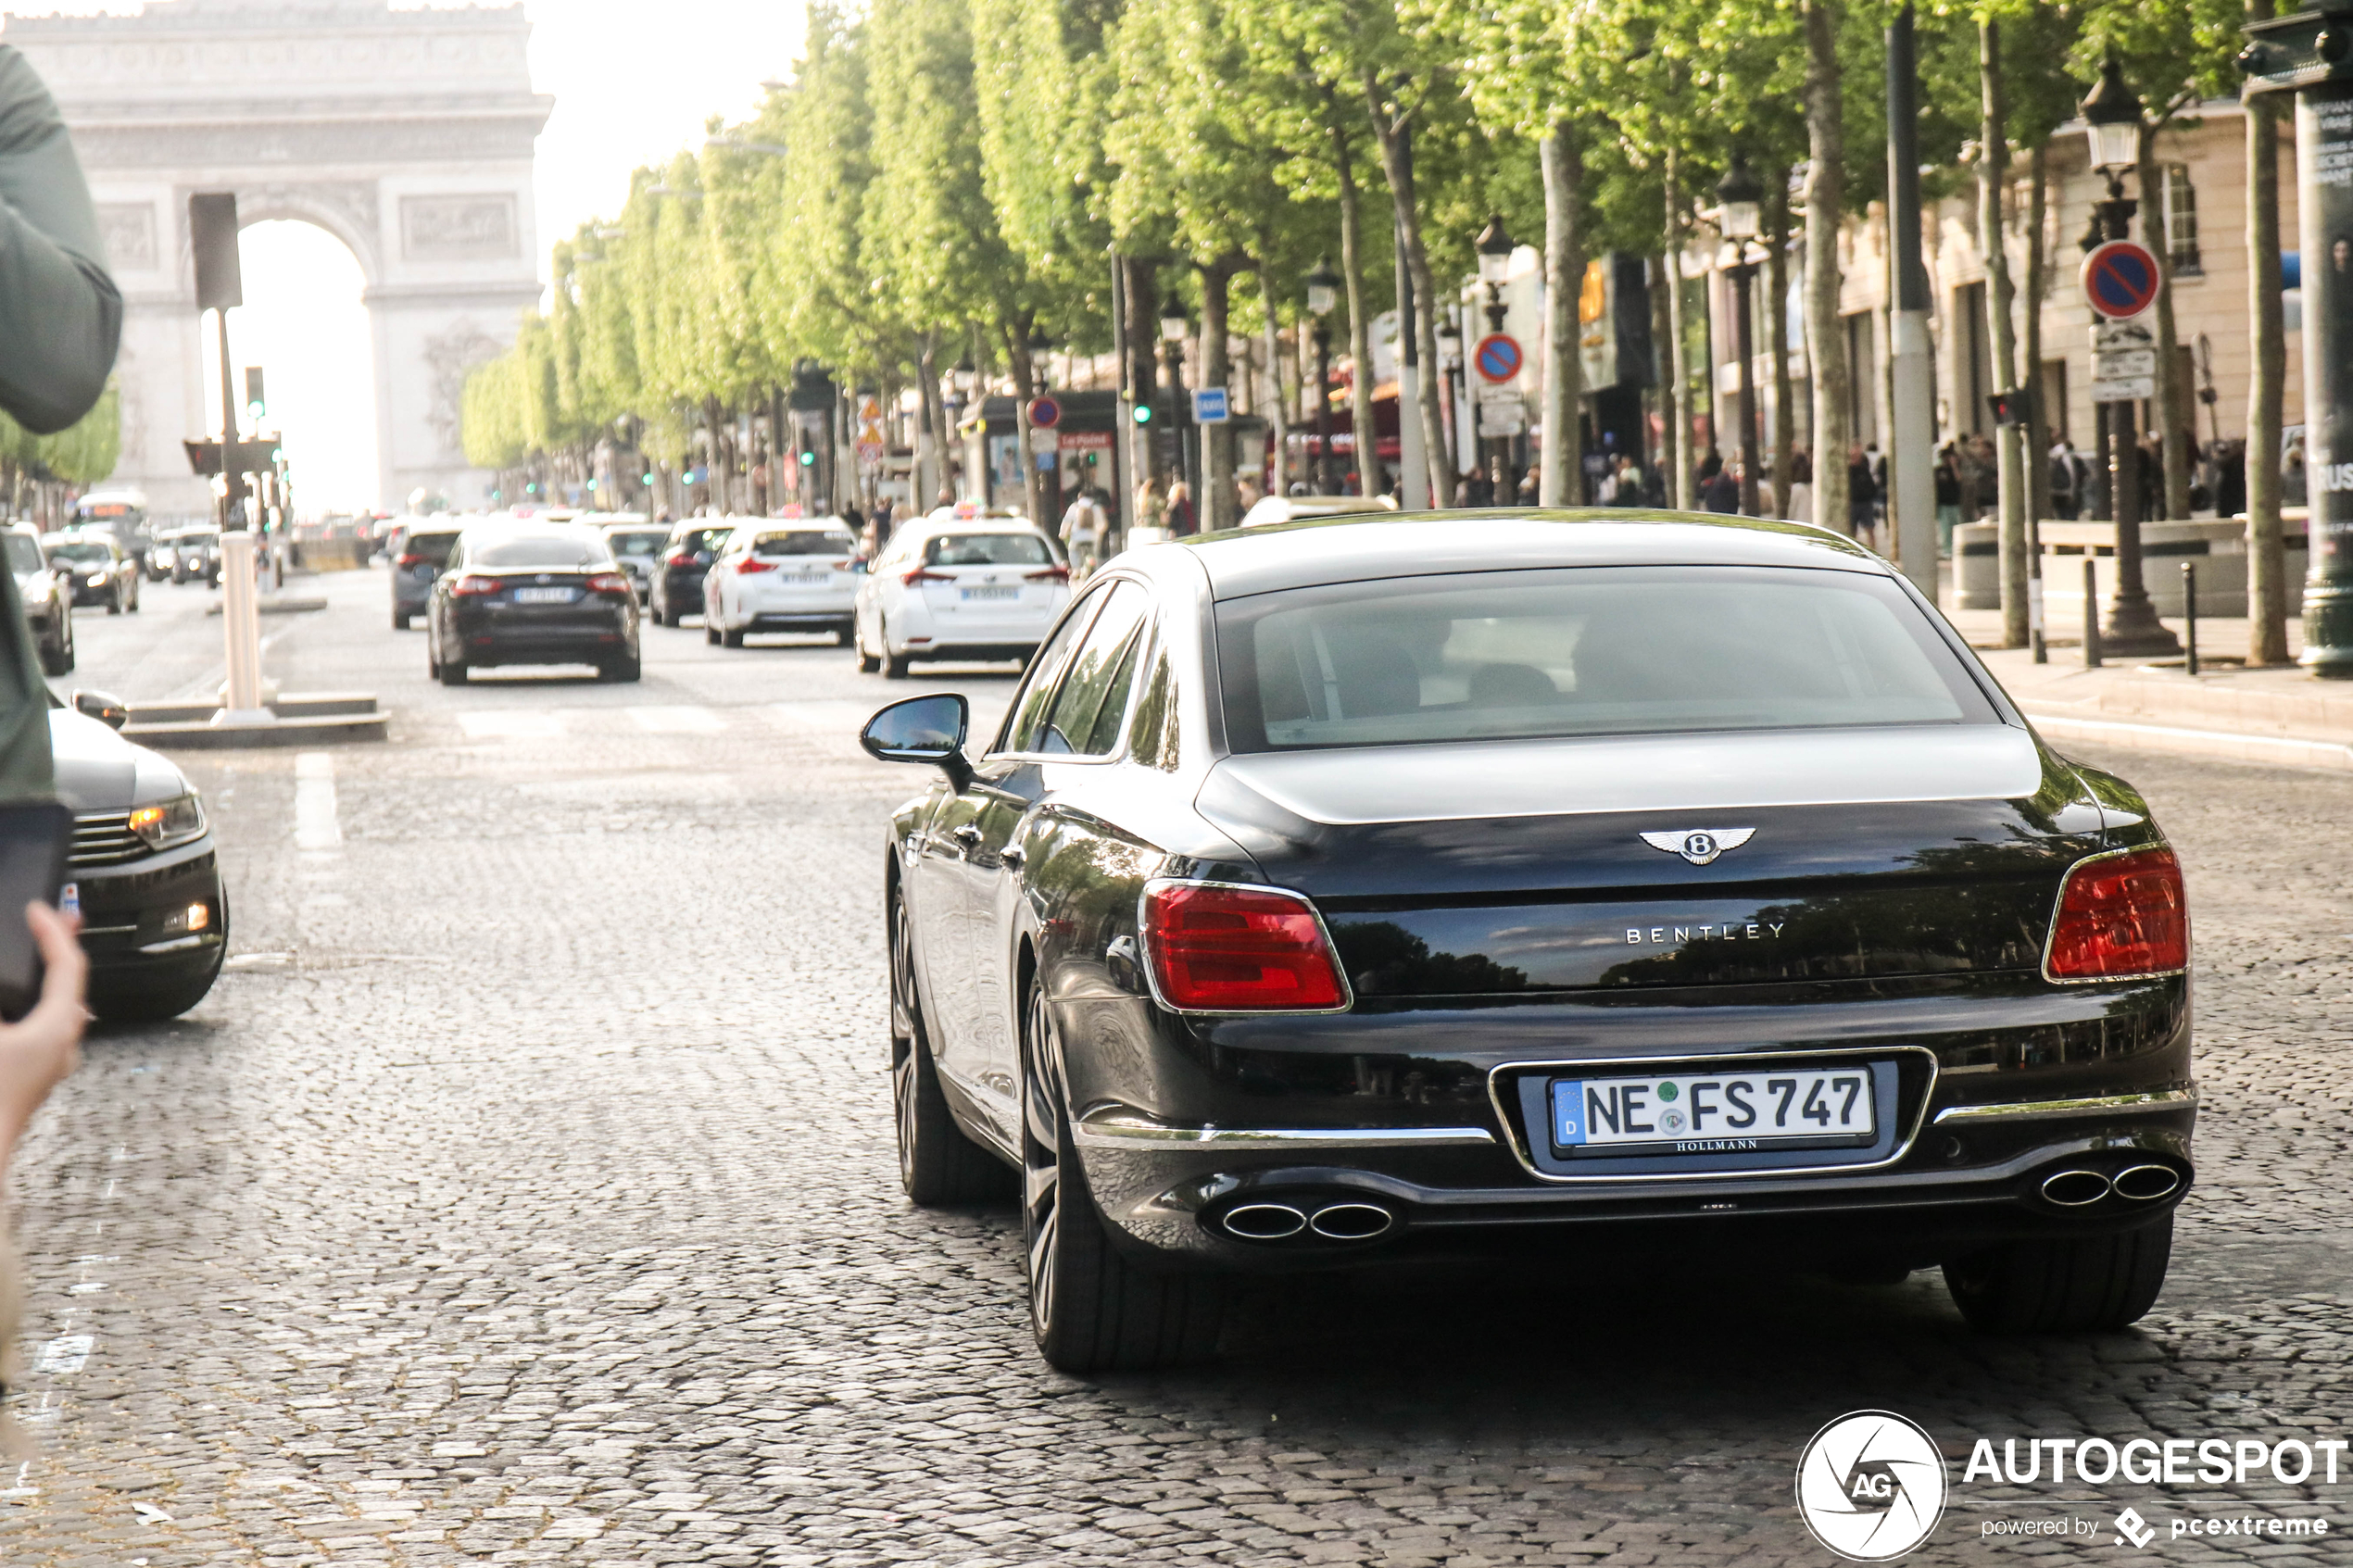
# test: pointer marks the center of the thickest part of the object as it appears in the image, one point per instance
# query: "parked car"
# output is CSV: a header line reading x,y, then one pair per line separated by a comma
x,y
685,560
421,556
637,546
959,588
194,552
799,576
98,569
1460,882
527,592
48,602
154,916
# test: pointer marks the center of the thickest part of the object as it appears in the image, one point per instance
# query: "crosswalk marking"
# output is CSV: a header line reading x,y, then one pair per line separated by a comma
x,y
512,725
681,721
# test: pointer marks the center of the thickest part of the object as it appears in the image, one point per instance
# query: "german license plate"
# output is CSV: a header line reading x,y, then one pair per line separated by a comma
x,y
543,596
1708,1112
972,594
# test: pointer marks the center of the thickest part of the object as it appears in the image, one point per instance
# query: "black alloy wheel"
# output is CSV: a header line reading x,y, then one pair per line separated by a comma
x,y
937,1164
2079,1284
57,650
1089,1307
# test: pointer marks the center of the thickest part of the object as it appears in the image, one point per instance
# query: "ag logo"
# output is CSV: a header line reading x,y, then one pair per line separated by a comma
x,y
1871,1485
1699,846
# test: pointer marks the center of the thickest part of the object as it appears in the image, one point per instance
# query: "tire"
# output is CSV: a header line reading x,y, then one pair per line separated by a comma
x,y
710,632
867,662
621,669
451,672
57,655
731,637
1089,1307
937,1164
2079,1285
841,636
136,591
114,601
399,621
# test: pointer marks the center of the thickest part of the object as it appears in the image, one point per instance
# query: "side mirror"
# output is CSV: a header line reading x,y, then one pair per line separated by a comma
x,y
109,710
922,729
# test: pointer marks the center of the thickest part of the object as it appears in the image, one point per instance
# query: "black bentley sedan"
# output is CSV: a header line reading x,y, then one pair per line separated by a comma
x,y
531,593
1603,880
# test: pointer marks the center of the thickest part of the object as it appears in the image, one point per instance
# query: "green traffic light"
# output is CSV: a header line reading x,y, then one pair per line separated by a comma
x,y
1143,413
809,460
649,479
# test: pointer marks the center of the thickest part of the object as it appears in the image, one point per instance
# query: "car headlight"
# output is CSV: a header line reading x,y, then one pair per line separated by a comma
x,y
174,822
98,580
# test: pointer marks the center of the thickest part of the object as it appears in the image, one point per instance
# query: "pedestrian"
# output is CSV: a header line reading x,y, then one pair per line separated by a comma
x,y
1247,494
1151,507
1951,486
882,510
2066,482
1181,521
1629,482
1718,491
1477,488
2229,478
1862,495
1801,486
1606,487
2293,485
1084,526
1530,486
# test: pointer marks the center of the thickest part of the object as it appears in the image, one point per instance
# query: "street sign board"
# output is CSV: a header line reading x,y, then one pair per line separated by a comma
x,y
1498,357
1503,416
2121,279
2118,364
1044,441
1210,405
2107,335
2128,389
1044,413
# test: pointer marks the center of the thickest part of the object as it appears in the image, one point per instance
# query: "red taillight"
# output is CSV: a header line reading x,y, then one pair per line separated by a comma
x,y
1048,574
924,574
682,558
610,583
2121,915
412,559
471,585
1237,949
750,564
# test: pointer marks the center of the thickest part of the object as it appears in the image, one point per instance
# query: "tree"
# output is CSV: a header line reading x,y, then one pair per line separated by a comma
x,y
2266,543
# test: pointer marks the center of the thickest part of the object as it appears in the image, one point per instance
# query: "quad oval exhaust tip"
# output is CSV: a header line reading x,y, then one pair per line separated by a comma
x,y
1350,1221
2146,1184
1264,1221
2076,1188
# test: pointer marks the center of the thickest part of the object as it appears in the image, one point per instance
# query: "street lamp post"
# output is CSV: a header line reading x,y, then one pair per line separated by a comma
x,y
2112,121
2310,53
1174,326
1323,294
1450,371
1740,197
1495,247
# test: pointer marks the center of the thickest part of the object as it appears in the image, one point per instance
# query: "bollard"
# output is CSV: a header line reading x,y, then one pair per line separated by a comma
x,y
2189,615
2091,614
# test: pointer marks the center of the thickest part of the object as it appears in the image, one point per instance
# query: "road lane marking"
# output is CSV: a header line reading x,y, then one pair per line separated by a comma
x,y
524,724
680,721
315,824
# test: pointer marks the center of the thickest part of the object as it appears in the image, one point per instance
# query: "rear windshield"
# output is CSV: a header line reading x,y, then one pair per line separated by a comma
x,y
987,550
538,549
803,543
432,548
23,554
1582,652
639,541
696,539
80,549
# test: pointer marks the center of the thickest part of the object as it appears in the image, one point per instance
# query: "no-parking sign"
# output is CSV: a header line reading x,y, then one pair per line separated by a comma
x,y
1498,357
2121,279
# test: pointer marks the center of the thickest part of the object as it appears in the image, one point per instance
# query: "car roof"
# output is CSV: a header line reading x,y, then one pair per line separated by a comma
x,y
1358,546
926,527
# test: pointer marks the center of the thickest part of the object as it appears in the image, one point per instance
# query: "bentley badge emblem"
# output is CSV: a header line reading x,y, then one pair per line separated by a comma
x,y
1699,846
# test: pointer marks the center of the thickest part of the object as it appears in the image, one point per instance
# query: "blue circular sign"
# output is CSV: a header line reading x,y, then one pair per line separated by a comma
x,y
1044,413
1497,357
2121,279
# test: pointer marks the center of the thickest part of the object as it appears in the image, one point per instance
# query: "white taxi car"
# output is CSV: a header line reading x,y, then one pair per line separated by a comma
x,y
951,587
788,576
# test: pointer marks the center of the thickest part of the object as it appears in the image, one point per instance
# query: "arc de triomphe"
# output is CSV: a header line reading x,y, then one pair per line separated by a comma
x,y
408,134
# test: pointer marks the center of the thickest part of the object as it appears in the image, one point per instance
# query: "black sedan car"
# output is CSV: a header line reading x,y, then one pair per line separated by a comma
x,y
100,570
1610,883
676,592
142,870
531,593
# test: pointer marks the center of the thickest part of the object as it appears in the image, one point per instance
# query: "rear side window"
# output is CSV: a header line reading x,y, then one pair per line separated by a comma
x,y
433,549
803,541
555,551
696,540
1100,673
1026,726
987,550
640,543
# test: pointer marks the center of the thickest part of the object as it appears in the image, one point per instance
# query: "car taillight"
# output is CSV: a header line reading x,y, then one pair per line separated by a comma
x,y
2121,915
405,560
750,564
472,585
1049,574
1237,949
924,574
610,583
682,558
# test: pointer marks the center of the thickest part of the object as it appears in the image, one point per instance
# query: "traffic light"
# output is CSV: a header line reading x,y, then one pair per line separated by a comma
x,y
1143,415
2008,408
807,458
255,404
646,480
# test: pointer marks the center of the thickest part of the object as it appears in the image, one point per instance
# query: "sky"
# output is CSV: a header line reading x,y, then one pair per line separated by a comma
x,y
632,83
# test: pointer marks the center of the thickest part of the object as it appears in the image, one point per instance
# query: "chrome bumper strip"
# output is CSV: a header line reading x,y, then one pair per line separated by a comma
x,y
2097,1105
1129,1130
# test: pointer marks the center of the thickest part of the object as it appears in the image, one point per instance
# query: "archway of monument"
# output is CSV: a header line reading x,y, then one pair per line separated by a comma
x,y
303,323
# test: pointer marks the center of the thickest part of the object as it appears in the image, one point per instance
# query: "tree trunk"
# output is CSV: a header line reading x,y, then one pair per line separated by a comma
x,y
1277,405
1364,442
931,452
1670,441
1026,386
1681,491
2267,586
1214,506
1564,170
2038,284
1825,204
1993,174
1776,324
2167,407
1388,133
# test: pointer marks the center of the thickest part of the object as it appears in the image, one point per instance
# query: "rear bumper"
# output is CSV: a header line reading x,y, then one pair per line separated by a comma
x,y
798,620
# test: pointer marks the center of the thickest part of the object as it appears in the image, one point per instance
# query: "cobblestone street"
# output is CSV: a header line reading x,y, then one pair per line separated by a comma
x,y
525,1193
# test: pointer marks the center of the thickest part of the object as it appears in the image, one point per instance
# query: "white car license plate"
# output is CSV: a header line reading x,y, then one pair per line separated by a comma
x,y
805,579
972,594
543,596
1735,1109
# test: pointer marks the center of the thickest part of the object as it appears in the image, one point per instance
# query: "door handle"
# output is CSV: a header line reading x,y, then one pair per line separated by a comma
x,y
1013,855
967,835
